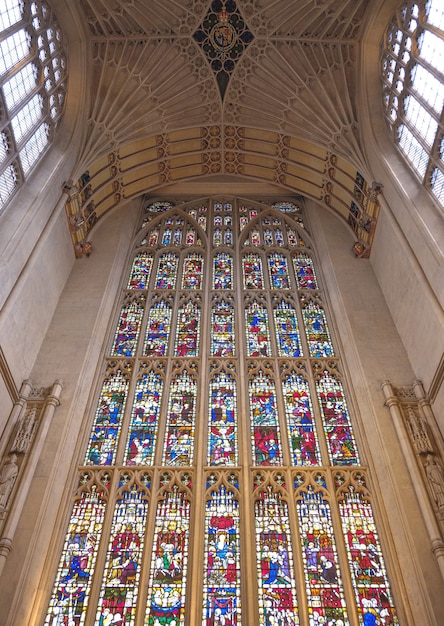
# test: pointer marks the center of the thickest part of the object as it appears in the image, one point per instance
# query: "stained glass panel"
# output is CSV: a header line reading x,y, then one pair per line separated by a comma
x,y
223,271
127,333
323,585
265,433
222,441
179,445
192,272
303,439
287,330
316,330
278,270
144,423
167,271
169,562
341,442
366,562
102,446
140,271
120,585
258,336
222,329
187,332
275,570
304,270
252,272
72,586
221,597
158,329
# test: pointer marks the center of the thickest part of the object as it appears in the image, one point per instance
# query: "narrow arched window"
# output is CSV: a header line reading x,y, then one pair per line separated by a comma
x,y
32,89
413,88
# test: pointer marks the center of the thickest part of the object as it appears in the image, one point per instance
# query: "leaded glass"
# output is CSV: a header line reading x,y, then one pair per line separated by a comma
x,y
140,271
221,596
316,330
222,440
304,270
187,332
222,271
120,584
323,584
341,442
103,442
252,272
144,425
192,272
167,271
169,561
275,570
179,443
303,439
287,330
158,329
366,562
222,329
265,432
278,270
258,336
72,586
127,333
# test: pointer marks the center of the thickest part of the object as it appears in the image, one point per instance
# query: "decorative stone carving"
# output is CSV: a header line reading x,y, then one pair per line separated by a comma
x,y
435,477
25,432
8,476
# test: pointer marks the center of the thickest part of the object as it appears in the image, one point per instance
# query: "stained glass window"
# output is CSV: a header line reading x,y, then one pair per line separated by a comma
x,y
140,271
302,436
323,584
144,425
187,332
179,443
275,570
222,329
265,432
223,436
221,599
120,585
72,587
169,560
222,383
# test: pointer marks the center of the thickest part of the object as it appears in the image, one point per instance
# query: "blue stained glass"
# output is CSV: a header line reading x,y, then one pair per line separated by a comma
x,y
302,434
167,271
223,271
222,562
276,576
304,270
252,272
140,271
179,445
158,330
222,329
316,329
192,272
108,420
222,441
265,433
144,420
127,334
258,337
287,330
277,265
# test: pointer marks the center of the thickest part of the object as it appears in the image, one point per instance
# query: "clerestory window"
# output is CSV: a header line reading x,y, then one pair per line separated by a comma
x,y
413,88
32,89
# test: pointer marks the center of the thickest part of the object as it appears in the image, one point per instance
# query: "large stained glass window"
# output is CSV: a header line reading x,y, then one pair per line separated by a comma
x,y
222,483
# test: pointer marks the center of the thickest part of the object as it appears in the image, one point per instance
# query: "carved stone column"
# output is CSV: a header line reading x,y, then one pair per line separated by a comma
x,y
23,453
425,467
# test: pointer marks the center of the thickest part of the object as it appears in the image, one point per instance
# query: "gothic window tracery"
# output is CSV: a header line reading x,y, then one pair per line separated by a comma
x,y
222,447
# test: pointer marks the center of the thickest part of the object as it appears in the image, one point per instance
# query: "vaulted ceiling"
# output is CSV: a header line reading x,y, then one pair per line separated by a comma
x,y
257,88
